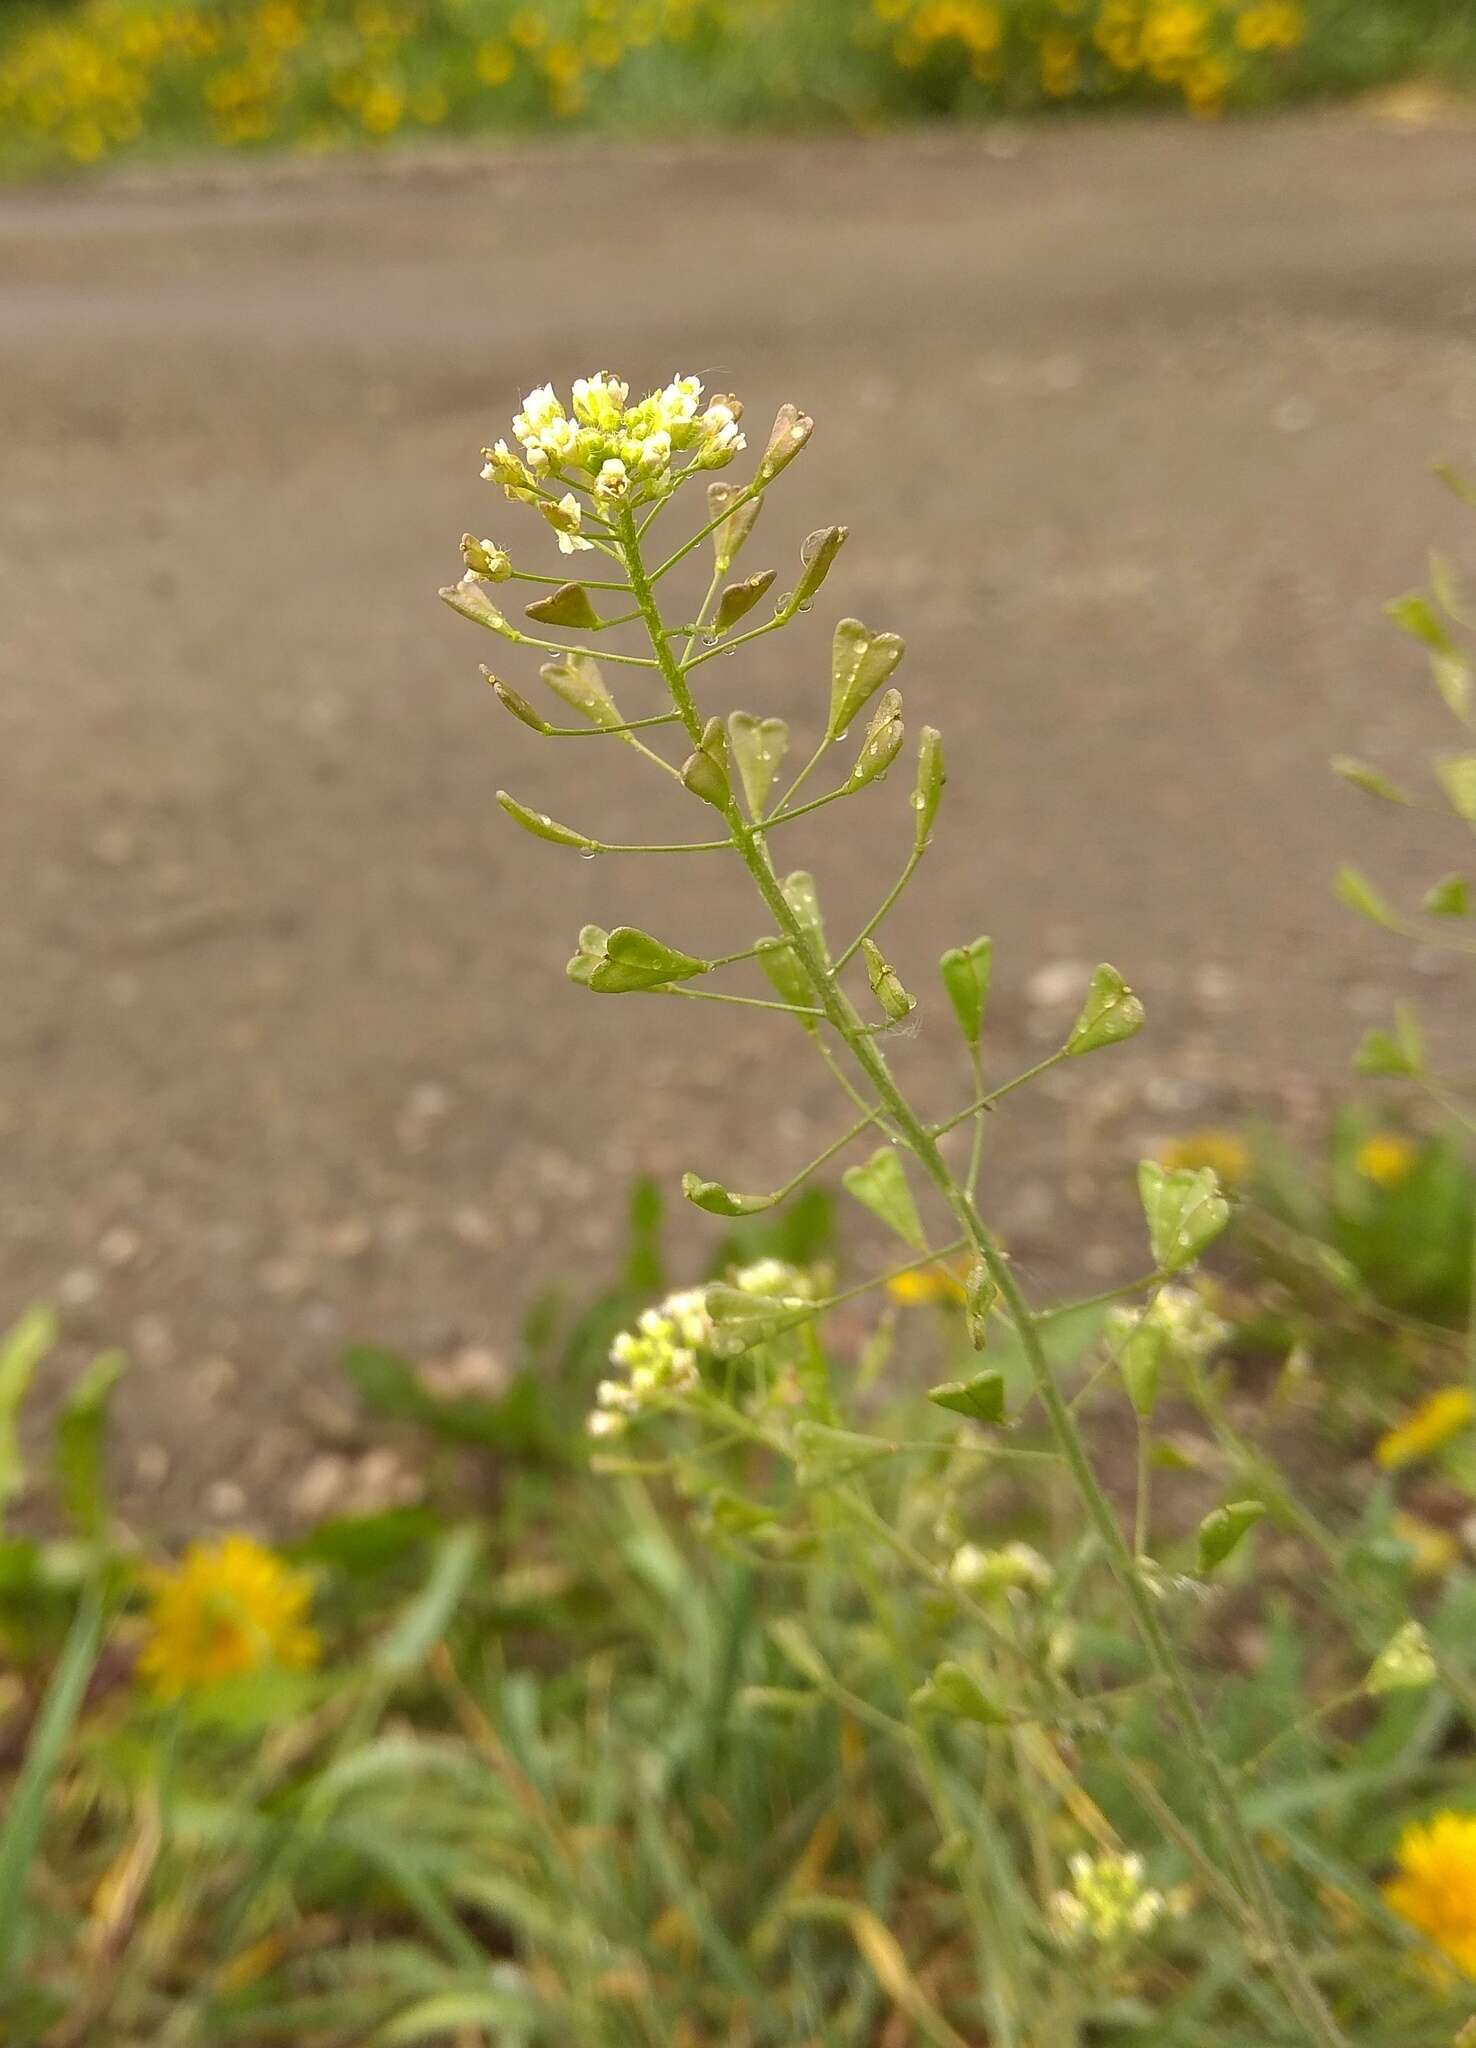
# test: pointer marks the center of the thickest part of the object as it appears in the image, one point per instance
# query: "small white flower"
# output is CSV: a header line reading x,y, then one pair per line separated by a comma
x,y
1017,1568
565,518
1108,1903
600,400
678,402
540,409
605,1422
612,481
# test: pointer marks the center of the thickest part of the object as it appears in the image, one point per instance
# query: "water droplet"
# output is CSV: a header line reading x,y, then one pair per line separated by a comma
x,y
809,545
730,650
709,639
844,733
807,605
588,852
782,604
917,800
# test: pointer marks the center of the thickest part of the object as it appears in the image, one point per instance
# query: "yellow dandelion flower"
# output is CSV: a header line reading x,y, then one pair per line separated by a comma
x,y
1386,1158
1227,1153
226,1610
1434,1887
1444,1415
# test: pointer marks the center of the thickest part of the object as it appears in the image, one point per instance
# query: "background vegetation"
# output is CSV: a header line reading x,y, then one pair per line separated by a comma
x,y
85,80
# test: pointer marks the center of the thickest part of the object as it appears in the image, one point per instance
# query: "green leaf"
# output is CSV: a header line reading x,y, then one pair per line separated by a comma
x,y
956,1693
860,662
927,791
1450,897
1185,1211
630,960
982,1398
739,599
719,1201
80,1432
882,744
22,1349
1368,779
425,1621
1221,1532
1457,773
26,1813
966,972
880,1185
759,746
569,605
1360,895
1415,615
1110,1013
540,824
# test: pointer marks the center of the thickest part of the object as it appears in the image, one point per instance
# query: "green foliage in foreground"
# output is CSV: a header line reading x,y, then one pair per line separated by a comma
x,y
96,79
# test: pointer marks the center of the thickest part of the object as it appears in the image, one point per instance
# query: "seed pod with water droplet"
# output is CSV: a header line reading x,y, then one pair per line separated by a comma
x,y
786,977
928,789
803,899
542,826
727,539
739,599
791,430
817,554
758,746
576,679
705,773
469,597
882,744
860,662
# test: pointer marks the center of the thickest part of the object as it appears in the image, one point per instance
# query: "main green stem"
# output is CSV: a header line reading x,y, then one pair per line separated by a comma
x,y
1298,1988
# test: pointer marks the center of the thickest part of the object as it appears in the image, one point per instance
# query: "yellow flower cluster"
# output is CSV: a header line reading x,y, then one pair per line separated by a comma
x,y
226,1610
109,75
1439,1418
1075,48
1434,1888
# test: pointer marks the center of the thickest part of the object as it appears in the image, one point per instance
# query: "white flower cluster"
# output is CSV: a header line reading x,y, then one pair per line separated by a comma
x,y
622,453
1108,1903
1017,1568
661,1356
1184,1317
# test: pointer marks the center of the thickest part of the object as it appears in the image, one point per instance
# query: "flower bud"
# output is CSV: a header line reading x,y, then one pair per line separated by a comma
x,y
485,558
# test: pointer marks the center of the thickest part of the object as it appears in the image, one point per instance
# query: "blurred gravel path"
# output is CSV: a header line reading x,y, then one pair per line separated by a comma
x,y
1130,424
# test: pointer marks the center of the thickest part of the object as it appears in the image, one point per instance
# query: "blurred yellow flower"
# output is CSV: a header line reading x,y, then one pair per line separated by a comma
x,y
1434,1551
924,1284
1436,1420
1386,1158
1226,1152
1434,1887
227,1609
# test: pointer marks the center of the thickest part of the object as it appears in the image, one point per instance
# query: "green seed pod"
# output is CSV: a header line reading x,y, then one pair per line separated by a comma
x,y
577,680
518,706
817,555
728,538
787,978
885,986
928,790
1221,1533
627,961
791,430
803,899
470,599
740,598
1110,1013
705,773
542,826
758,746
966,971
717,1200
982,1398
860,662
980,1295
569,605
882,744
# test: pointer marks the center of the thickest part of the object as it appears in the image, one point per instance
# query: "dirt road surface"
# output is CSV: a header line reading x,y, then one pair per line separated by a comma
x,y
1131,426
